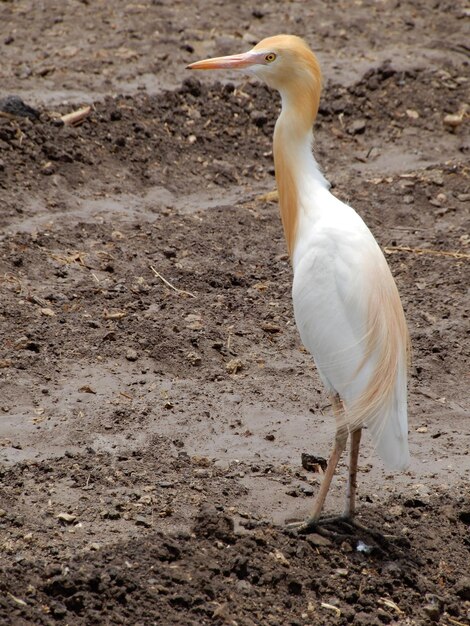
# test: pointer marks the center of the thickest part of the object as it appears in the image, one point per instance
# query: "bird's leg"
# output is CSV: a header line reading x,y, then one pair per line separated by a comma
x,y
352,480
350,509
341,439
342,527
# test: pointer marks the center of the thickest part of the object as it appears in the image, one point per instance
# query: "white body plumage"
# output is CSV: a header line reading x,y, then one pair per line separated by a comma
x,y
336,263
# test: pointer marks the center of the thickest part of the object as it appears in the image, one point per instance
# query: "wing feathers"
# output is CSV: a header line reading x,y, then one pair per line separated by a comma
x,y
382,404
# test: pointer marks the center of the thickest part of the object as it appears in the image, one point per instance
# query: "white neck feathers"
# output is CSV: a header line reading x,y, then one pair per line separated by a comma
x,y
297,172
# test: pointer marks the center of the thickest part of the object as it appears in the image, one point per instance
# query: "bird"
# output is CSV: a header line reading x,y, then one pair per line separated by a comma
x,y
346,303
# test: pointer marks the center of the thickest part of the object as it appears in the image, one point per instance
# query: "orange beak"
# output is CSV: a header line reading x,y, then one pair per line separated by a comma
x,y
234,62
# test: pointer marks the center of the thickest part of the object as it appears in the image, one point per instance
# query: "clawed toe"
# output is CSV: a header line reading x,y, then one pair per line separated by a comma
x,y
310,525
301,527
338,528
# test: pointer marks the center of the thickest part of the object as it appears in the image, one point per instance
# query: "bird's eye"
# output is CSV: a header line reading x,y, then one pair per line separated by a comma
x,y
269,58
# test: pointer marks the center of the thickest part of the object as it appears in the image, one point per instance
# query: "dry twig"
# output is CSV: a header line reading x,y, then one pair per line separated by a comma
x,y
390,604
76,117
168,284
451,253
454,621
331,607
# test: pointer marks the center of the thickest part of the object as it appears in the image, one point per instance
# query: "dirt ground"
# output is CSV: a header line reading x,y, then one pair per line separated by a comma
x,y
151,436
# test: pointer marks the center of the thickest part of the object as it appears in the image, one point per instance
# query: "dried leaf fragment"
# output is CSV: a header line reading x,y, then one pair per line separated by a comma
x,y
270,327
113,315
234,366
201,461
260,286
279,556
68,518
453,120
271,196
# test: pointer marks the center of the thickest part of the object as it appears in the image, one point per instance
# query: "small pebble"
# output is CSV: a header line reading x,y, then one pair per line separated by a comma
x,y
58,609
432,611
452,121
318,540
234,366
112,514
131,354
396,510
48,168
202,473
194,358
357,127
346,547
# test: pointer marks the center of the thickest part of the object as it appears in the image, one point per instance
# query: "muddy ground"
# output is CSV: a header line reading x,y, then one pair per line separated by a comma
x,y
151,435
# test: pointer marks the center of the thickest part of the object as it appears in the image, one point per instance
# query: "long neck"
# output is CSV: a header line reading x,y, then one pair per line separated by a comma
x,y
293,158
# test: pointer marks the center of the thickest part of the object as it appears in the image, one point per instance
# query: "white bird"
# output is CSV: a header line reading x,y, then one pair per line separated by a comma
x,y
346,303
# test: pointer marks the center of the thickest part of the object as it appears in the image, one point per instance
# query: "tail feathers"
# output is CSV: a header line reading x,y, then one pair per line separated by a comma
x,y
386,421
388,429
392,446
382,405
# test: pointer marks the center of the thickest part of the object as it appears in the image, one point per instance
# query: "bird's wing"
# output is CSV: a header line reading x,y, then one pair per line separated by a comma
x,y
349,316
330,306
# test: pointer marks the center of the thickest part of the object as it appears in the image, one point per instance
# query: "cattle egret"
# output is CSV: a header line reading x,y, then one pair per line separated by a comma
x,y
346,304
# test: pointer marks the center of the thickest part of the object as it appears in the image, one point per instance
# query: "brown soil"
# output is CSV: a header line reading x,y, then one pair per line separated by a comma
x,y
151,438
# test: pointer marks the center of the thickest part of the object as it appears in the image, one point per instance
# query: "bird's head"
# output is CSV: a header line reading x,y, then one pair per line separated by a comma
x,y
284,62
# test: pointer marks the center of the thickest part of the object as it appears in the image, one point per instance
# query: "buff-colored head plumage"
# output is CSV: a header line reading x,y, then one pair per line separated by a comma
x,y
294,71
284,62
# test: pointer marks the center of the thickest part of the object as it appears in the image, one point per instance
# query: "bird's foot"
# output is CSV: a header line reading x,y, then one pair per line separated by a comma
x,y
314,524
356,527
341,528
309,525
319,526
364,536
